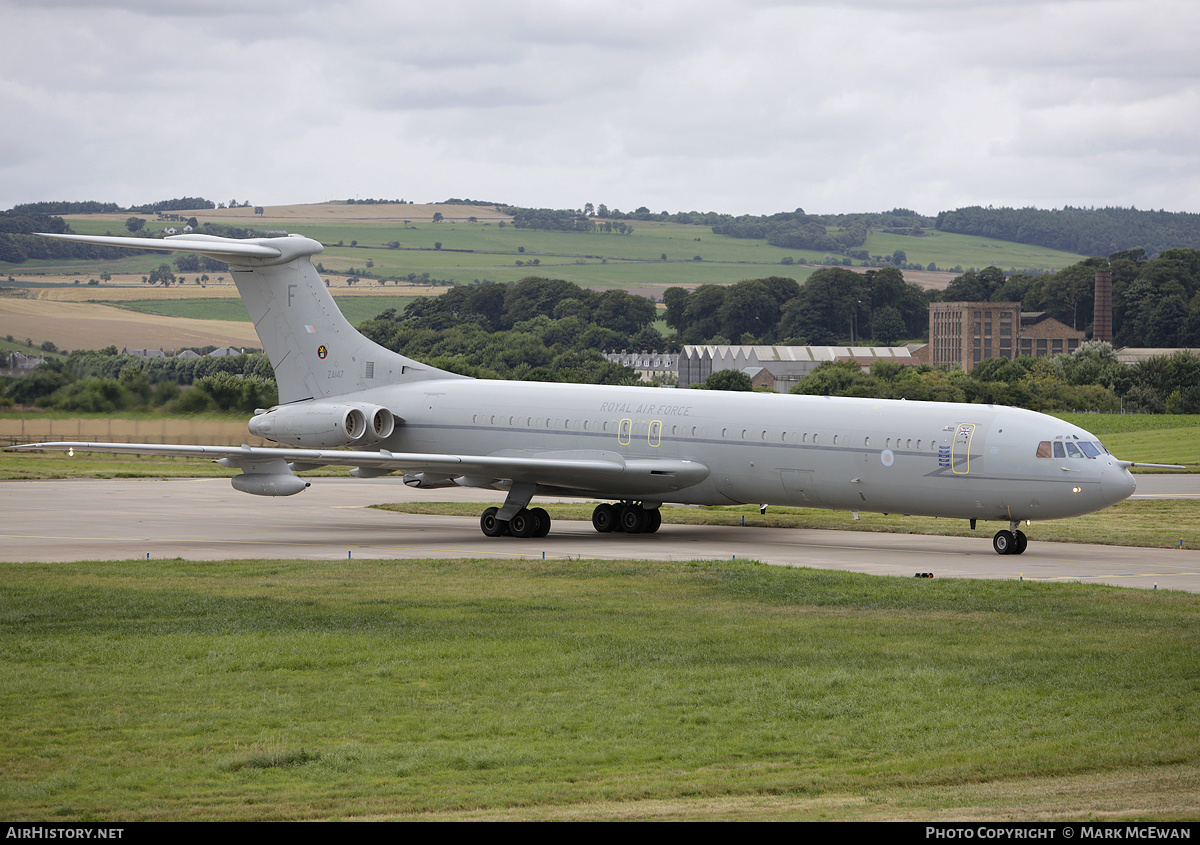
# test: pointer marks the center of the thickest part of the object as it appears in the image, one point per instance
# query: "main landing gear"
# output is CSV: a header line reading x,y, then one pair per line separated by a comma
x,y
627,517
527,522
1010,541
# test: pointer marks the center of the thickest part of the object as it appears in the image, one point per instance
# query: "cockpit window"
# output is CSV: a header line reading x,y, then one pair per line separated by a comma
x,y
1071,449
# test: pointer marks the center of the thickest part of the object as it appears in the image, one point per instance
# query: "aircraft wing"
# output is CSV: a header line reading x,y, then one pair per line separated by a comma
x,y
604,472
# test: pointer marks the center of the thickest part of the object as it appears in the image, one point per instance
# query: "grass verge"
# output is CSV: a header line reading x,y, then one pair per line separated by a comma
x,y
588,689
1149,523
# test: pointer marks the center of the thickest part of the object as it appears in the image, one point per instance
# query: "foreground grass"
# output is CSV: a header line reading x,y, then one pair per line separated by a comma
x,y
584,689
1149,523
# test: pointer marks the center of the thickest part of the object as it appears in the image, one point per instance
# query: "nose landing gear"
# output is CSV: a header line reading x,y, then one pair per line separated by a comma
x,y
1010,541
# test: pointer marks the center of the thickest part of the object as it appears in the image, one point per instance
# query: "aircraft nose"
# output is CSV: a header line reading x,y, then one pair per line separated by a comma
x,y
1117,484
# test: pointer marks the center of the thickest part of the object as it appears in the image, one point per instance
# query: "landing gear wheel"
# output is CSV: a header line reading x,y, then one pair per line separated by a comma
x,y
524,524
633,519
490,526
1004,542
653,520
604,518
1022,543
543,519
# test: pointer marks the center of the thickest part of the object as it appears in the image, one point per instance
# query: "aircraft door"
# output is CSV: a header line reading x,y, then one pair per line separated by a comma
x,y
960,448
625,432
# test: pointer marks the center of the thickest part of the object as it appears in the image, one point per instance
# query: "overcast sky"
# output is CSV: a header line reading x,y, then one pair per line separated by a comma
x,y
710,105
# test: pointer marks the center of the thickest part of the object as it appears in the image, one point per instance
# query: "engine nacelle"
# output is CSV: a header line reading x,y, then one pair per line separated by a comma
x,y
324,425
380,422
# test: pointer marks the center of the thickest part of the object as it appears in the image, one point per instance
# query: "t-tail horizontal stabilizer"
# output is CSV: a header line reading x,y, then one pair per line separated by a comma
x,y
314,350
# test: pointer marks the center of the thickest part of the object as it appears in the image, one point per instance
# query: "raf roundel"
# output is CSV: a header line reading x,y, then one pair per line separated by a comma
x,y
322,352
887,457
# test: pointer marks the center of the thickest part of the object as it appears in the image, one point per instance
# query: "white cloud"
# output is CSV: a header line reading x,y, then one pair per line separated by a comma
x,y
740,107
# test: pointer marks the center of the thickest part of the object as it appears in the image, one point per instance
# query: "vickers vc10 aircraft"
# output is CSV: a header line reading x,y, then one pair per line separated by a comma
x,y
346,401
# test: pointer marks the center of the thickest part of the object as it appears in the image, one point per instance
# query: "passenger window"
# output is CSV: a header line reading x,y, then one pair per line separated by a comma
x,y
1059,451
1043,450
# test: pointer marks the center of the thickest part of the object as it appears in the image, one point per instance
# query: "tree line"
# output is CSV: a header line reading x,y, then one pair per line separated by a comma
x,y
107,381
1156,301
1086,231
833,305
1088,379
537,329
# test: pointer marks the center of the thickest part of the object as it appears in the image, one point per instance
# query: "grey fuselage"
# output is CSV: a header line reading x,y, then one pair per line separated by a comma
x,y
926,458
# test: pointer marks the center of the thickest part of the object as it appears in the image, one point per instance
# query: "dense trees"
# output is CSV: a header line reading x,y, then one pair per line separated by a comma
x,y
537,329
1094,231
554,220
726,380
1156,303
1089,379
827,309
178,204
795,230
108,381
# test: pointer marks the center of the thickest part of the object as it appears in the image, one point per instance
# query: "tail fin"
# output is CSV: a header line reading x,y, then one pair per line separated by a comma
x,y
313,348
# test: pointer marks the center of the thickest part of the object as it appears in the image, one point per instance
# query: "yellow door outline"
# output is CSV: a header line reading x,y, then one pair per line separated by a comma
x,y
961,447
654,436
625,432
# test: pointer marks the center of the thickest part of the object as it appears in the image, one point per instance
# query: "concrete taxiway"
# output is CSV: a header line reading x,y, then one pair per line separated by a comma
x,y
204,519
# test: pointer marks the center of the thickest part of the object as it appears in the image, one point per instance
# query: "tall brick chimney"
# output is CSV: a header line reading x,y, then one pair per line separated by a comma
x,y
1102,315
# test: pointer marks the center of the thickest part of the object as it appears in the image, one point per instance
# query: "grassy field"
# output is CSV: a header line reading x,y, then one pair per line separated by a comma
x,y
947,249
1152,438
588,690
486,250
